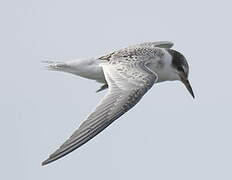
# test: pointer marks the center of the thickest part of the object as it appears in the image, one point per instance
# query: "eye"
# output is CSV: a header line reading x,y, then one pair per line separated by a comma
x,y
180,68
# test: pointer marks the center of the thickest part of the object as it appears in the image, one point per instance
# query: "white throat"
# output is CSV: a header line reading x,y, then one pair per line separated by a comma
x,y
167,72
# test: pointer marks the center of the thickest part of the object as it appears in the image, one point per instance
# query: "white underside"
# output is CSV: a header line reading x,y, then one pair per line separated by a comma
x,y
86,68
91,69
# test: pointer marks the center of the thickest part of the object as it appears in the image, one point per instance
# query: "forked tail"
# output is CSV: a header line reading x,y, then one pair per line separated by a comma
x,y
88,68
55,66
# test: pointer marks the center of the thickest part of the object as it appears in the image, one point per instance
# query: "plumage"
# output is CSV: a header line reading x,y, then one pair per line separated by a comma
x,y
129,73
91,69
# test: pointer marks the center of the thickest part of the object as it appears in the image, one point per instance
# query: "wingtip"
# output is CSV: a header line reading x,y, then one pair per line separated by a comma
x,y
103,87
165,44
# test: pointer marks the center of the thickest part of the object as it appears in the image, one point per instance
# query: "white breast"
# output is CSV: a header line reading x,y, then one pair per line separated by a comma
x,y
166,72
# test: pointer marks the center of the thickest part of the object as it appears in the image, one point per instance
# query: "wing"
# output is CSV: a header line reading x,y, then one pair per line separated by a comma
x,y
160,44
145,45
128,82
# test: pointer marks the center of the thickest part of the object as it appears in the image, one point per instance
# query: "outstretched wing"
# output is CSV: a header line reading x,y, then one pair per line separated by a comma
x,y
160,44
128,82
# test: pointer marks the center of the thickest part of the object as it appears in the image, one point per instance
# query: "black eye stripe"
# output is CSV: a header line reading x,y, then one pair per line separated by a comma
x,y
178,61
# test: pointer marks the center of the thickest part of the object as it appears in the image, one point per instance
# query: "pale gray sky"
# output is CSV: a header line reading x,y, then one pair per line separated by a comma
x,y
179,139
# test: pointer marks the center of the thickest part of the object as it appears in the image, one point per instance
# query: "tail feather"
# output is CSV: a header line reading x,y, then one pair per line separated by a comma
x,y
55,66
86,68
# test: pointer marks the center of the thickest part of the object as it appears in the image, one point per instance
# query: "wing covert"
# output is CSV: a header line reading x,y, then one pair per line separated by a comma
x,y
128,82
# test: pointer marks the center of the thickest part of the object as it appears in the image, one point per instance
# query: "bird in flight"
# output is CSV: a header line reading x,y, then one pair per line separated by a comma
x,y
128,74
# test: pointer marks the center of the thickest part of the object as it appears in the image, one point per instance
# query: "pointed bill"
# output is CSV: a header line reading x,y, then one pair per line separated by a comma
x,y
188,86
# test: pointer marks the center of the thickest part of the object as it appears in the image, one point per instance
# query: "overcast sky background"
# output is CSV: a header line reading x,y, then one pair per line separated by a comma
x,y
168,135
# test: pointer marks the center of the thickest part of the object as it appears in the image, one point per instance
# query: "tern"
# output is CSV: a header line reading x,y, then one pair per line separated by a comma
x,y
128,74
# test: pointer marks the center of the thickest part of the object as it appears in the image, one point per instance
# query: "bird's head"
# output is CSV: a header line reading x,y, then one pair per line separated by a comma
x,y
181,68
